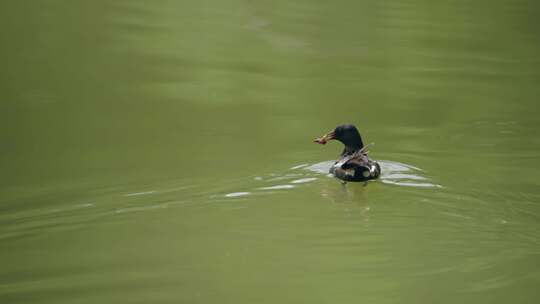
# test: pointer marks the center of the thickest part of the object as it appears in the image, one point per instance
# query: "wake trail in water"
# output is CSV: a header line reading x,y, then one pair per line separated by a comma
x,y
393,173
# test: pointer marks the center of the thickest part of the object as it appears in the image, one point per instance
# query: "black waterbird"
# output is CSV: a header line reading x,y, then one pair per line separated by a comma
x,y
354,164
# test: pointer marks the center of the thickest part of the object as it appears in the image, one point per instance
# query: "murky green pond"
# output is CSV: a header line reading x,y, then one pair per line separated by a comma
x,y
161,151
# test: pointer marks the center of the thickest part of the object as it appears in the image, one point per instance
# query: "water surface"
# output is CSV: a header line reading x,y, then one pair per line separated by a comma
x,y
161,152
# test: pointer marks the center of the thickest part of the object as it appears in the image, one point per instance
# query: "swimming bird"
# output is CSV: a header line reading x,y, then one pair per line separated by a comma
x,y
354,164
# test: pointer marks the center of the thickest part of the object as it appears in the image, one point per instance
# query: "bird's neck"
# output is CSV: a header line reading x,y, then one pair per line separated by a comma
x,y
350,150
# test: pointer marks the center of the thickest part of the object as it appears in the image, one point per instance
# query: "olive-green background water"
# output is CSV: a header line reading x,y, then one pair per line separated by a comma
x,y
160,151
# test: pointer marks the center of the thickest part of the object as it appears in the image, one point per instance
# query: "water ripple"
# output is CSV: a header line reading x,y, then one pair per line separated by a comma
x,y
393,173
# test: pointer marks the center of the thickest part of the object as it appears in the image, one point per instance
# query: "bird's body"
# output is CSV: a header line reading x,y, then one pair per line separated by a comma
x,y
356,167
354,164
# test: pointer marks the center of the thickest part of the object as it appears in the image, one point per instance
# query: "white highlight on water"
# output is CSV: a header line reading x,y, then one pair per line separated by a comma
x,y
277,187
299,166
140,193
303,180
236,194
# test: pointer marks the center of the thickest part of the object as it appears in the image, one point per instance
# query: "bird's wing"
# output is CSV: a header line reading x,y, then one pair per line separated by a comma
x,y
355,160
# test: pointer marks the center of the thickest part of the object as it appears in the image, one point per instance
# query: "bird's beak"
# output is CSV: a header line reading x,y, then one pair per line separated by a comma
x,y
324,139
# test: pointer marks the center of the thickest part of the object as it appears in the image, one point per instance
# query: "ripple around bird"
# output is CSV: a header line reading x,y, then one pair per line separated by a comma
x,y
393,173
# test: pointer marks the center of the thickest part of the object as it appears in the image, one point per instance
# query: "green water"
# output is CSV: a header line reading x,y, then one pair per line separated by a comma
x,y
160,151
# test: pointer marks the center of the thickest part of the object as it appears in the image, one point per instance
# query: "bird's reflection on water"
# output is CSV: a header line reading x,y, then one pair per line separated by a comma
x,y
352,199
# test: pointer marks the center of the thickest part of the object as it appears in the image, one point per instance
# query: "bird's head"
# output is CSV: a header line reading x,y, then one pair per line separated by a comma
x,y
346,134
